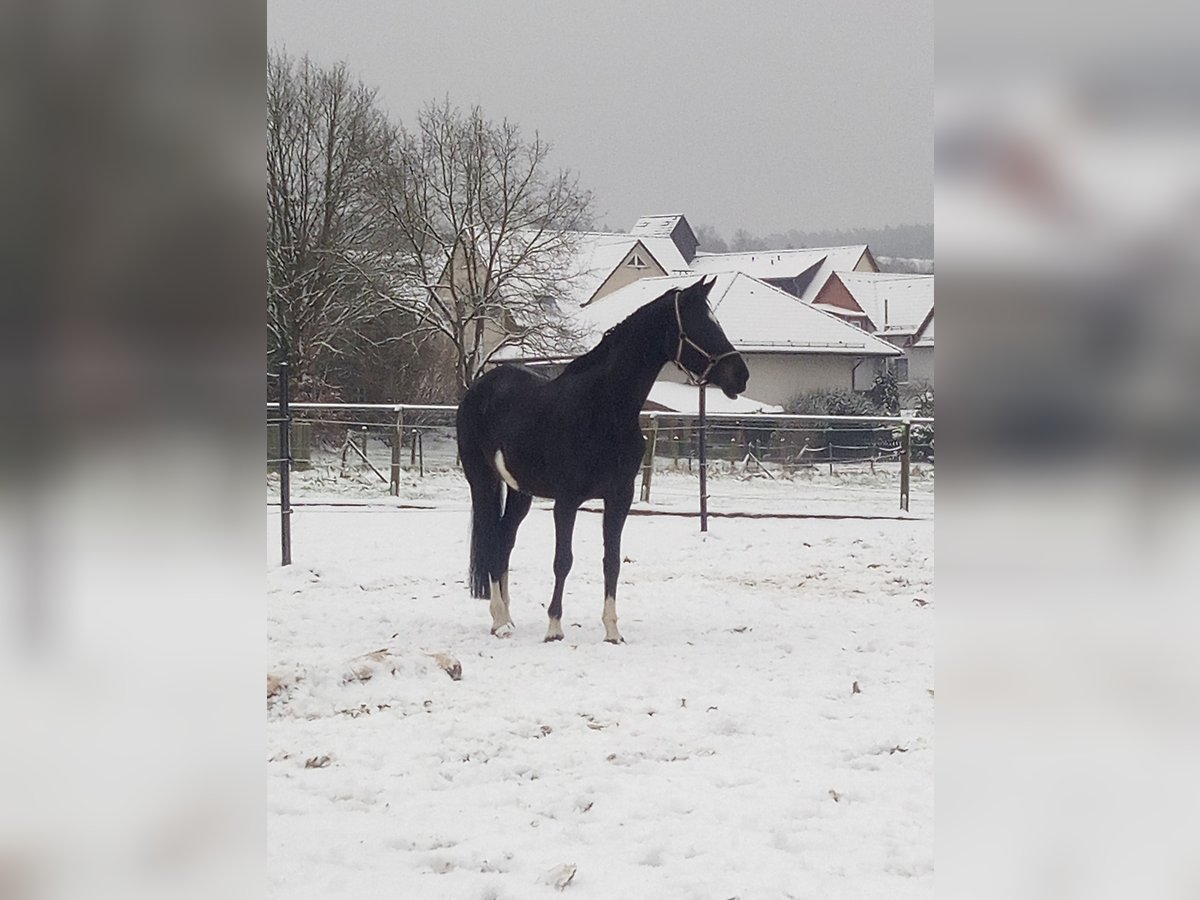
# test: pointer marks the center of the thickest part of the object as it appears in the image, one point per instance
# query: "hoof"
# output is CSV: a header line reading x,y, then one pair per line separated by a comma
x,y
614,640
551,637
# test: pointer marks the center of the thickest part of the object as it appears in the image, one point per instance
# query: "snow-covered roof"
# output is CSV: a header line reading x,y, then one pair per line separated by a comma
x,y
598,253
685,398
781,263
925,336
656,226
756,317
896,303
664,250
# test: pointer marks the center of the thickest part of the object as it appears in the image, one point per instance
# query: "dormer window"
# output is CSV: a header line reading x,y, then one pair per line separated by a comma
x,y
636,262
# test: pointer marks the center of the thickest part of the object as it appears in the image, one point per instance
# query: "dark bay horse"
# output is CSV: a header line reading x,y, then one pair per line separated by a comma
x,y
576,437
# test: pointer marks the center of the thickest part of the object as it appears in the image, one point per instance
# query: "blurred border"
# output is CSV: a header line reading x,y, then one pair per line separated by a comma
x,y
130,486
1068,216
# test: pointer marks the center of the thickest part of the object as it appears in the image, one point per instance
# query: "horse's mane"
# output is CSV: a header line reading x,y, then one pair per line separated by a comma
x,y
618,334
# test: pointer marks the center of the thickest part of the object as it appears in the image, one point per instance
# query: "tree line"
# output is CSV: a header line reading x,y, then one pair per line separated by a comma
x,y
906,241
363,215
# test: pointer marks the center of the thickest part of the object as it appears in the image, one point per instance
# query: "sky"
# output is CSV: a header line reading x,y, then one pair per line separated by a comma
x,y
769,116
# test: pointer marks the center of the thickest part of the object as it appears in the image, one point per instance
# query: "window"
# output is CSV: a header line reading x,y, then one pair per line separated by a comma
x,y
897,367
636,262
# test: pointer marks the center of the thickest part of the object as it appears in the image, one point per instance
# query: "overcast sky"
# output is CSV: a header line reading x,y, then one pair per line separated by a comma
x,y
766,115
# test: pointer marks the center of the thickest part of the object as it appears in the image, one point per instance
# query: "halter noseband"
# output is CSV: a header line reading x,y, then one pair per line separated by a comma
x,y
684,339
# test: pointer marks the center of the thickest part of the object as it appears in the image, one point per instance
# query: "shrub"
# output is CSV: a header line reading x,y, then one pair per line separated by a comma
x,y
885,393
861,439
922,435
833,402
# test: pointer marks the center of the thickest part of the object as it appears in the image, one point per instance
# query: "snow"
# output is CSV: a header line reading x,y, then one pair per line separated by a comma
x,y
723,751
684,398
753,314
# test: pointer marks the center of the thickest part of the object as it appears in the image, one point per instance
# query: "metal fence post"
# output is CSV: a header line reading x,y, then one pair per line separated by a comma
x,y
702,438
905,459
397,439
285,468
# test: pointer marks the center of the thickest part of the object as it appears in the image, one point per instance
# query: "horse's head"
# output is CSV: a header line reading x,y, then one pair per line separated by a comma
x,y
701,348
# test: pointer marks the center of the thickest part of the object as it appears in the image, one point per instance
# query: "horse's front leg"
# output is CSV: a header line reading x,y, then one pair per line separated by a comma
x,y
564,529
616,509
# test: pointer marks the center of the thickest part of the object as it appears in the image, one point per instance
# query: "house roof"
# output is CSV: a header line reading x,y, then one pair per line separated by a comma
x,y
924,335
657,226
755,316
667,254
684,398
896,303
598,253
779,263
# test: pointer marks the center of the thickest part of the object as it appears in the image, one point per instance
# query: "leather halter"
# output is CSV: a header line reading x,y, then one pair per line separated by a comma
x,y
692,378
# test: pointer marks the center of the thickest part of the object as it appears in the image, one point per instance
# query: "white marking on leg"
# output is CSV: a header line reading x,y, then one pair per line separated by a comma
x,y
503,470
499,611
504,594
554,632
609,618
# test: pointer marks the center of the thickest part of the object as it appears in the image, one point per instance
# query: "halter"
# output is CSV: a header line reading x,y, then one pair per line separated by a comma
x,y
684,339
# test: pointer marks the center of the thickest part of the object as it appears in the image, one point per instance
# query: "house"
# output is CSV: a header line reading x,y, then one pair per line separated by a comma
x,y
674,227
604,262
802,273
897,308
790,347
799,328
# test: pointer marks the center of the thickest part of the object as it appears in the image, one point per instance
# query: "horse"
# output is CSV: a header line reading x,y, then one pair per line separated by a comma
x,y
576,437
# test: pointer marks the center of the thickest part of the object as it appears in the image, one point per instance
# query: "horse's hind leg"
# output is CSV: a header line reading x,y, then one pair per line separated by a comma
x,y
616,509
564,529
515,509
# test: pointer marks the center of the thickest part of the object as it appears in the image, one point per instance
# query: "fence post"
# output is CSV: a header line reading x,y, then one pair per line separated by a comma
x,y
421,451
829,447
701,433
905,459
648,462
285,468
397,440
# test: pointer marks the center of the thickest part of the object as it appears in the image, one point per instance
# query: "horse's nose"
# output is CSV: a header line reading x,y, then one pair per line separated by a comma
x,y
743,375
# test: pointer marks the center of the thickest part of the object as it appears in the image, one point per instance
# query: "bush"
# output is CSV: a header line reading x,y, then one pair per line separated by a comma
x,y
833,402
885,393
922,435
851,441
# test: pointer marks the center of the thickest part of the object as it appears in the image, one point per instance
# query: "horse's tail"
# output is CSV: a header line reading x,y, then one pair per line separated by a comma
x,y
485,536
486,496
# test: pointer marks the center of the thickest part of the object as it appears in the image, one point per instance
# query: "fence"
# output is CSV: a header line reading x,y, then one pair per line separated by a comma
x,y
353,454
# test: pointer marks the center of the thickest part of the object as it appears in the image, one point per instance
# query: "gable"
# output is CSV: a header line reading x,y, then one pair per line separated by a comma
x,y
834,293
637,263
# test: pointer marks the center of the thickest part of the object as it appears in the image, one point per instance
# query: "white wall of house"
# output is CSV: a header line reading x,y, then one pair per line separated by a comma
x,y
915,368
920,365
778,378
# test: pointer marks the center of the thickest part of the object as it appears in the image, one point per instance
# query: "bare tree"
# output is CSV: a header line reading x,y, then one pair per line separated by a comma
x,y
490,231
324,260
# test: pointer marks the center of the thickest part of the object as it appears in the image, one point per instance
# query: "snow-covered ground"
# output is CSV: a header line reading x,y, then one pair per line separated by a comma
x,y
724,751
